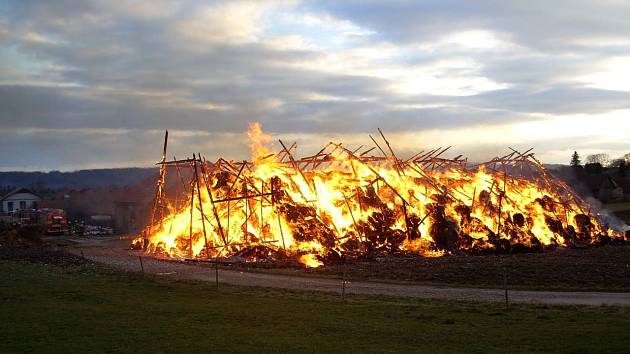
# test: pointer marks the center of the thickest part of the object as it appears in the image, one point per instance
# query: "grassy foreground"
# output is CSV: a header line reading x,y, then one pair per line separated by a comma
x,y
87,308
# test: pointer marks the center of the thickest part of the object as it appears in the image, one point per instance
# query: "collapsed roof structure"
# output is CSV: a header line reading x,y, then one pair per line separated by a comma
x,y
362,202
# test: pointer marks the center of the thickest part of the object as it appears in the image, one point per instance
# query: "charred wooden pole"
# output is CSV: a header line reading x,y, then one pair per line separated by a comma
x,y
284,151
489,197
179,175
296,167
379,177
216,216
190,225
238,175
214,207
378,146
163,177
318,154
397,165
501,195
227,235
284,246
404,209
262,192
246,201
361,210
177,191
273,202
354,221
249,196
326,157
159,191
203,221
229,192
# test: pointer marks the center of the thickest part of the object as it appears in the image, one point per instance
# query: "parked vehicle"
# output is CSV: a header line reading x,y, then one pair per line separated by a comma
x,y
55,221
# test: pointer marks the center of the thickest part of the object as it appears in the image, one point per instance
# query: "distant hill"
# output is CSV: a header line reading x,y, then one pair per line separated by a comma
x,y
111,177
555,166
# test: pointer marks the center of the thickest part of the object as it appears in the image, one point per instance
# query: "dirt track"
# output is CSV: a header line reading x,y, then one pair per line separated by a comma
x,y
110,252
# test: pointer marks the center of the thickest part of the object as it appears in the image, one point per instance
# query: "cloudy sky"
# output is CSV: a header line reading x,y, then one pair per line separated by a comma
x,y
94,83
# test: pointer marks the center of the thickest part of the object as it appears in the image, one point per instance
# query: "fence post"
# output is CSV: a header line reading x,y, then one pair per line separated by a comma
x,y
507,303
141,265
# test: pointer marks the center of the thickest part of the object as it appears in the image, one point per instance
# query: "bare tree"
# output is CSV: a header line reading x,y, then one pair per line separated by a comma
x,y
601,159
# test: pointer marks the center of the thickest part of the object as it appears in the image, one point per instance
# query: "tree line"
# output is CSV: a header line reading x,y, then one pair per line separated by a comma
x,y
597,162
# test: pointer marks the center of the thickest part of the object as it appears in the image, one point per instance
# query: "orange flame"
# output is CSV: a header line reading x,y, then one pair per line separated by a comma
x,y
258,141
310,261
343,205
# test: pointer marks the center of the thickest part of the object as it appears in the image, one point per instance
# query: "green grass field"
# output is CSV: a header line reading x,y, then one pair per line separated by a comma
x,y
91,309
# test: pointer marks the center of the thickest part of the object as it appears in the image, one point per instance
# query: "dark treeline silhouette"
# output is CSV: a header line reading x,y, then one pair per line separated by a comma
x,y
600,177
42,181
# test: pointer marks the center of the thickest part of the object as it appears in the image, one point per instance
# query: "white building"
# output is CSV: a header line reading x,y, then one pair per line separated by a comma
x,y
19,199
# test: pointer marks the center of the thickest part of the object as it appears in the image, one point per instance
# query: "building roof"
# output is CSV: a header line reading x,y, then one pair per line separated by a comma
x,y
19,190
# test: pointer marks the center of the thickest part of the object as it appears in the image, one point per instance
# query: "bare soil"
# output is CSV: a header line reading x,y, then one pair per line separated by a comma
x,y
592,269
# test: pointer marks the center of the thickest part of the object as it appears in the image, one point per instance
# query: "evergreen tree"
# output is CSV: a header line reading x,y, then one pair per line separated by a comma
x,y
575,160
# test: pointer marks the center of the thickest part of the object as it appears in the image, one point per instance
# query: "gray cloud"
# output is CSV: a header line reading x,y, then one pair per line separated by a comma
x,y
555,100
538,24
97,65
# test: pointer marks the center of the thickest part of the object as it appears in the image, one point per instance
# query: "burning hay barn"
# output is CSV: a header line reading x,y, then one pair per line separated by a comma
x,y
345,203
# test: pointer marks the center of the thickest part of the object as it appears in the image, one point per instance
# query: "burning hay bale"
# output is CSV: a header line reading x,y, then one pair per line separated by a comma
x,y
341,203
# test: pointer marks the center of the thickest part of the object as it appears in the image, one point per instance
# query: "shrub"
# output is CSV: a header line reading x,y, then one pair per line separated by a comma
x,y
31,233
594,168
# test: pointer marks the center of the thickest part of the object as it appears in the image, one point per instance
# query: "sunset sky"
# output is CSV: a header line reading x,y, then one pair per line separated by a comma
x,y
90,84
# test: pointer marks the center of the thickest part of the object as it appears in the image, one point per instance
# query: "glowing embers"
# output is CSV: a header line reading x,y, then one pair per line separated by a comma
x,y
341,203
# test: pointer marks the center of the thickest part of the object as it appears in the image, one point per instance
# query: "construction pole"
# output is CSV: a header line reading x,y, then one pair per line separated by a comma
x,y
216,269
507,303
343,280
141,265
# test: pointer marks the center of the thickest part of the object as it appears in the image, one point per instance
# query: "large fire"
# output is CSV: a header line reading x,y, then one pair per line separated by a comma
x,y
343,203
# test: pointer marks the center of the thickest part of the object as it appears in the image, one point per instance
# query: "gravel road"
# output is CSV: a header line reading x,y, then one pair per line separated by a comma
x,y
112,252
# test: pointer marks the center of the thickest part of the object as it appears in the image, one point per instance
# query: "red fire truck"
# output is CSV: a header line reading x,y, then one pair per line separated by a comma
x,y
55,221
